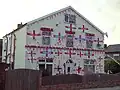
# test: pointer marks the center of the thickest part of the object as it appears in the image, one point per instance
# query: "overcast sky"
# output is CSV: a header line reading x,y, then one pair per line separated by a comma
x,y
105,14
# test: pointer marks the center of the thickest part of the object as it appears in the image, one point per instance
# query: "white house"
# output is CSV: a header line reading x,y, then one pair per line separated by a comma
x,y
63,42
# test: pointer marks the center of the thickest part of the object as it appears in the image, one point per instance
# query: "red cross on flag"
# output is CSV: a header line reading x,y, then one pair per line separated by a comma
x,y
71,29
70,53
83,28
80,54
58,52
33,34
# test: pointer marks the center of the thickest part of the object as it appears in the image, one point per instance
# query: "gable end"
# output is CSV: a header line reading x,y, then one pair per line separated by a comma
x,y
69,7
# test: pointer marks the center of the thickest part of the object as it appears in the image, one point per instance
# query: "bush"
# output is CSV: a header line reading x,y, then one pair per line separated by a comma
x,y
112,66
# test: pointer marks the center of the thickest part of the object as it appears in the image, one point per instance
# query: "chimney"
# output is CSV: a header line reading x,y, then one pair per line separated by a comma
x,y
19,25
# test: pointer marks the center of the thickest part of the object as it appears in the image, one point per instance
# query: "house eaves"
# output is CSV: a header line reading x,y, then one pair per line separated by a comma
x,y
15,30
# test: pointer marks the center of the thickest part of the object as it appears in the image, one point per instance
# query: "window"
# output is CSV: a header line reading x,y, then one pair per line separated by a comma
x,y
86,61
69,41
66,18
46,37
70,18
79,38
46,33
92,61
90,67
5,44
115,55
42,67
42,60
89,64
46,64
89,61
10,42
46,40
89,40
10,38
49,60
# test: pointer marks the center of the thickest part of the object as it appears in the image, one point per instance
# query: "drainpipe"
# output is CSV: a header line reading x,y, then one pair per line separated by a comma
x,y
10,53
14,47
6,56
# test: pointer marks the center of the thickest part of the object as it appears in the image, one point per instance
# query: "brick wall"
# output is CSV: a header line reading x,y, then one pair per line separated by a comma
x,y
85,82
61,79
79,86
109,88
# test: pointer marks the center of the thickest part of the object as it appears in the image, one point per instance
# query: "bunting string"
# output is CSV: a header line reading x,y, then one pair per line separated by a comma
x,y
63,48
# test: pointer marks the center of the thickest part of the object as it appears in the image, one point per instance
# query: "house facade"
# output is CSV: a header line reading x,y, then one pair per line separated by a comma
x,y
113,51
63,42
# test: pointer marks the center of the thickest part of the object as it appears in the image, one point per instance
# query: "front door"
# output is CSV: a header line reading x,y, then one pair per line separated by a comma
x,y
41,67
49,68
70,65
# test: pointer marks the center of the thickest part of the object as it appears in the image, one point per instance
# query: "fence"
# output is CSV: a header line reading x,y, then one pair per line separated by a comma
x,y
3,66
22,79
2,80
25,79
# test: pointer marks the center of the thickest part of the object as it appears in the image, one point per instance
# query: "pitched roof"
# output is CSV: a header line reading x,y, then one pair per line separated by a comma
x,y
69,7
15,30
113,48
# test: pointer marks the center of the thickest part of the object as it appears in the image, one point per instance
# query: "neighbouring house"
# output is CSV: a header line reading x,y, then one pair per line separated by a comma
x,y
63,42
1,50
113,51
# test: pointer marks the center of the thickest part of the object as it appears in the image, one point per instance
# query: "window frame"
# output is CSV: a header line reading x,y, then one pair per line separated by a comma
x,y
90,64
89,40
43,40
69,40
70,18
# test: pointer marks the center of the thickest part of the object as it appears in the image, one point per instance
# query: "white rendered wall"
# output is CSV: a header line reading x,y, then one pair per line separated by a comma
x,y
20,51
9,38
51,23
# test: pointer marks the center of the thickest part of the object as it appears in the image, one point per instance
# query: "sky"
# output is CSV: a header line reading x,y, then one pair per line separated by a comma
x,y
105,14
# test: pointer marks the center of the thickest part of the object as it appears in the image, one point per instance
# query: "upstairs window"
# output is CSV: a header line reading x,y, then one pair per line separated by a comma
x,y
46,33
69,41
89,40
46,37
70,18
5,44
45,40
